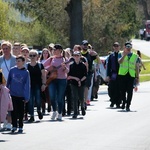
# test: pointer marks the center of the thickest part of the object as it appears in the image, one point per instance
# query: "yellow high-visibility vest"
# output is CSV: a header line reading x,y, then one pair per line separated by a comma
x,y
128,65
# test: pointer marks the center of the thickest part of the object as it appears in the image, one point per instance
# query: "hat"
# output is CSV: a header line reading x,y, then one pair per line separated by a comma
x,y
128,45
51,45
58,46
76,53
84,42
25,48
116,43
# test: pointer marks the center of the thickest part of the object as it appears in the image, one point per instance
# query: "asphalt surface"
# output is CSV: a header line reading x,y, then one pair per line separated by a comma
x,y
103,128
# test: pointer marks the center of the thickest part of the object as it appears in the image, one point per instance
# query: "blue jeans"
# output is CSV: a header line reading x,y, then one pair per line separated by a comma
x,y
35,97
57,90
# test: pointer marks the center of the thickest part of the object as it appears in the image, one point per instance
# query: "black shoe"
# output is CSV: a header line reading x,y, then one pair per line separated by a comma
x,y
20,130
49,108
111,105
31,119
13,129
40,115
83,111
123,106
127,108
118,106
96,96
74,116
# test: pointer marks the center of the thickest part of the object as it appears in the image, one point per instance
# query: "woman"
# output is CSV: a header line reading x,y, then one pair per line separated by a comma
x,y
38,84
57,86
45,95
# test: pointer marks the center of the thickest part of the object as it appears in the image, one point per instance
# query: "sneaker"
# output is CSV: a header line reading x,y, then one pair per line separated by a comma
x,y
8,126
59,117
54,115
88,102
20,130
13,129
40,115
31,119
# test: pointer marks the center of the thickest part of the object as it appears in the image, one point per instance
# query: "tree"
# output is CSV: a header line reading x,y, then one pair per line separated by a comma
x,y
74,10
146,6
4,24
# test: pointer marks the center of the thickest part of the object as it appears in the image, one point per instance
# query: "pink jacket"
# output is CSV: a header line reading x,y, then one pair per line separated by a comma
x,y
5,102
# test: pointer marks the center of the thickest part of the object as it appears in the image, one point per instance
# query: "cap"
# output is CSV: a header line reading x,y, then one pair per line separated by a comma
x,y
25,48
76,53
58,46
84,42
116,43
51,45
128,45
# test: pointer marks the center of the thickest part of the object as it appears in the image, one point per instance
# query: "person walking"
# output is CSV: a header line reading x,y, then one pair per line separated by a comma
x,y
19,84
77,75
7,60
112,76
128,71
38,84
56,64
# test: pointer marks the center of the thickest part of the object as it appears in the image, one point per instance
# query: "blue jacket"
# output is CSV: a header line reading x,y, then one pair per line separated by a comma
x,y
19,83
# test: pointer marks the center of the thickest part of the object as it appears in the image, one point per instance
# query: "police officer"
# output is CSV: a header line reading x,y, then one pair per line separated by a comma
x,y
128,71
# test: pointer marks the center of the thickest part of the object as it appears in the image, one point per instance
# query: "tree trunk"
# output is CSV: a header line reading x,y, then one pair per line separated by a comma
x,y
145,9
74,10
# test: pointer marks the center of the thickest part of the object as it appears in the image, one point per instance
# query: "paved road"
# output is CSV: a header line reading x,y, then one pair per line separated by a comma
x,y
101,129
142,45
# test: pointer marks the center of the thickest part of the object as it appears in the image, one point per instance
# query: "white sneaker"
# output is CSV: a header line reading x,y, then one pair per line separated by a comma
x,y
59,117
8,126
54,115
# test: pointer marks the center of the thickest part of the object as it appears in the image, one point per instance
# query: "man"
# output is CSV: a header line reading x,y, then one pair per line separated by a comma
x,y
90,55
17,49
112,76
7,60
128,71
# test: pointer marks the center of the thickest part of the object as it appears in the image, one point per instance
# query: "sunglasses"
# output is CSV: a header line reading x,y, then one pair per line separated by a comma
x,y
32,55
76,55
116,45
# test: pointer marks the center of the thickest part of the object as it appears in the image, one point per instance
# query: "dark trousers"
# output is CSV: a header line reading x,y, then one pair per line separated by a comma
x,y
126,88
114,92
77,96
18,111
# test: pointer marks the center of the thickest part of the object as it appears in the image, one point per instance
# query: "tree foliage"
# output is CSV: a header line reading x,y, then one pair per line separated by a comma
x,y
4,27
104,21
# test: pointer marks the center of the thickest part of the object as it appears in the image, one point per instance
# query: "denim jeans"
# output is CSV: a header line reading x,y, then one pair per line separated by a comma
x,y
57,90
35,97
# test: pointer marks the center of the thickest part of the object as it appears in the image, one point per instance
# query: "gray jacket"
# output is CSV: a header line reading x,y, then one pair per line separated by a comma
x,y
12,60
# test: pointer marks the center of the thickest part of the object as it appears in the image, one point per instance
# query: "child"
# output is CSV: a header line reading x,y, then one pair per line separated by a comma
x,y
5,100
19,84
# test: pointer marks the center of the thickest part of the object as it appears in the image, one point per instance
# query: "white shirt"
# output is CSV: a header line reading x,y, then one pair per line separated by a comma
x,y
5,66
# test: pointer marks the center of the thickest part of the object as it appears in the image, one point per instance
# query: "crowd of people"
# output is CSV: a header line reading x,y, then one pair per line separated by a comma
x,y
61,81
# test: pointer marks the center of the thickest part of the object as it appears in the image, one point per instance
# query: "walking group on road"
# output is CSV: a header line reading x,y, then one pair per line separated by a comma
x,y
61,81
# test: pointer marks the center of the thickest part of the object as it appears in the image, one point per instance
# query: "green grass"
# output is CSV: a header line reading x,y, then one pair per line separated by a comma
x,y
147,66
144,78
